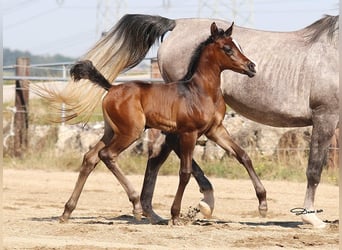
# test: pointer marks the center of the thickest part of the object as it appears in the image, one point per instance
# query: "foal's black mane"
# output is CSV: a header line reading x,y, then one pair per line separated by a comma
x,y
196,55
327,24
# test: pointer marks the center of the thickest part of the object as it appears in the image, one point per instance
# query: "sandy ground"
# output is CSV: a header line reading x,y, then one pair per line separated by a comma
x,y
34,199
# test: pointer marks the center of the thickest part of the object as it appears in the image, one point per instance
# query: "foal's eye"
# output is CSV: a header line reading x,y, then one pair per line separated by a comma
x,y
228,49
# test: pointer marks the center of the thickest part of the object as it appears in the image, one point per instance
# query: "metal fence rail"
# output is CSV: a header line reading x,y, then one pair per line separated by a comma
x,y
65,79
64,67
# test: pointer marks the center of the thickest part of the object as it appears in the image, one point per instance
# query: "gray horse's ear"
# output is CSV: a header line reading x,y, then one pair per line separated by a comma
x,y
214,30
229,31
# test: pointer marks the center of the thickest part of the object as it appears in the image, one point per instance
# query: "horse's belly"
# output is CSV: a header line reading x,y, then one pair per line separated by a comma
x,y
157,121
274,115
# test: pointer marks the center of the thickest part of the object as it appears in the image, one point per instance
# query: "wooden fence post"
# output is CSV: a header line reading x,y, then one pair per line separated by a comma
x,y
21,105
155,72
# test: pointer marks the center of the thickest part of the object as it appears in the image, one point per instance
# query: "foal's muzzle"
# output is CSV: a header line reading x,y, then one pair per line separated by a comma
x,y
251,69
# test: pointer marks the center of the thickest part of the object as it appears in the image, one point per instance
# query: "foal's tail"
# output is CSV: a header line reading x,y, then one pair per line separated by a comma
x,y
122,48
86,70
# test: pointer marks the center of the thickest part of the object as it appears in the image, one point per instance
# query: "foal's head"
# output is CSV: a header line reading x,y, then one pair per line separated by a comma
x,y
229,53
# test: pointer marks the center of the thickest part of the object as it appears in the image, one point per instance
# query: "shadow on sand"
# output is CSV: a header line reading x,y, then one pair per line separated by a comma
x,y
129,219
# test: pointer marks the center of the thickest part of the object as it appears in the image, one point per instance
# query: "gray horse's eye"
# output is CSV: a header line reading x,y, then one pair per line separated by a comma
x,y
228,49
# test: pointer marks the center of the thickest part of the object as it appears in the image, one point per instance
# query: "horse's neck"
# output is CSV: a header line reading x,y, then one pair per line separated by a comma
x,y
207,74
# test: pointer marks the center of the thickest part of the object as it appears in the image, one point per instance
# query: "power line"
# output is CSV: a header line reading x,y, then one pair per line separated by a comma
x,y
108,14
31,18
85,37
16,7
60,2
240,11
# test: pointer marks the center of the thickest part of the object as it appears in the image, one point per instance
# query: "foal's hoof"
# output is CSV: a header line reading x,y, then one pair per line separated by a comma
x,y
206,205
263,210
137,214
176,222
205,209
61,219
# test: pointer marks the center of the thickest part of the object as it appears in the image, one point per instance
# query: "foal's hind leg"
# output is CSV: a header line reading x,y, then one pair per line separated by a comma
x,y
155,161
109,156
90,160
221,136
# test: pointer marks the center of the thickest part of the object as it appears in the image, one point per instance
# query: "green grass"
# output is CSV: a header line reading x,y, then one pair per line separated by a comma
x,y
266,168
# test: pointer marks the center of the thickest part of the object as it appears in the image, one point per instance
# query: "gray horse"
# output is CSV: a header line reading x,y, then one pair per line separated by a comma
x,y
297,83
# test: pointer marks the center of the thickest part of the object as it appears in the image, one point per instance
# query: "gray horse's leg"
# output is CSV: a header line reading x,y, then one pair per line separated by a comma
x,y
155,161
323,129
90,160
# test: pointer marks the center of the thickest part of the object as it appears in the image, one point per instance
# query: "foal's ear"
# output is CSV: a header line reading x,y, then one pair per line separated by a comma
x,y
214,30
229,31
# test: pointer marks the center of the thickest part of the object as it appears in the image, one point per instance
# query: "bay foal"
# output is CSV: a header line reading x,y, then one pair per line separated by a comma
x,y
189,108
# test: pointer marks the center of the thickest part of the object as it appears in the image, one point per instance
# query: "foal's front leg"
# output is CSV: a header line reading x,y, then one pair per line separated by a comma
x,y
220,135
187,145
206,205
155,161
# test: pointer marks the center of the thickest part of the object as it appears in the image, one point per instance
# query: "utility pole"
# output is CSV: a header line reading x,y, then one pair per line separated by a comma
x,y
108,13
240,11
166,4
59,2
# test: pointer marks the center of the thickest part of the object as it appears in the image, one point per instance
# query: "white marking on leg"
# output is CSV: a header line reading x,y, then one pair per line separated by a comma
x,y
313,220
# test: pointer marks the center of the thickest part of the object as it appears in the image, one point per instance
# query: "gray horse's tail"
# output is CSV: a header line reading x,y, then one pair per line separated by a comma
x,y
122,48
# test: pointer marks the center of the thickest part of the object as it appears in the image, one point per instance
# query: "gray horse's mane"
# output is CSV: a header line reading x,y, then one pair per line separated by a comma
x,y
327,24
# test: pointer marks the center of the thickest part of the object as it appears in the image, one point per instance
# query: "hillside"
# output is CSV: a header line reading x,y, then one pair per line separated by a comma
x,y
9,57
